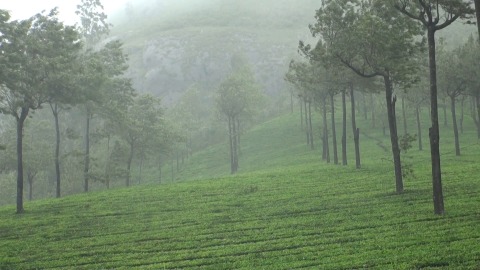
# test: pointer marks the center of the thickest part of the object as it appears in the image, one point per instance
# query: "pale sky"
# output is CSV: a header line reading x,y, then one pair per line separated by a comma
x,y
23,9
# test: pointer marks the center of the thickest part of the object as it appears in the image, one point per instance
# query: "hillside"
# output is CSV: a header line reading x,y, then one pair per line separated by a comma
x,y
174,44
287,210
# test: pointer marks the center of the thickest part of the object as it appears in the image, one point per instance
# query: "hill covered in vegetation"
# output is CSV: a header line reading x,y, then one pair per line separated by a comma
x,y
283,211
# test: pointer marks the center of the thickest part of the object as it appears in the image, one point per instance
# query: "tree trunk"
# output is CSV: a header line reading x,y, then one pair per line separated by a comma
x,y
404,113
310,127
235,147
419,127
230,136
344,129
30,187
455,128
301,114
107,164
55,112
129,163
20,123
334,131
372,104
477,115
477,12
140,168
325,146
445,118
434,132
392,123
365,107
356,131
462,114
307,128
87,152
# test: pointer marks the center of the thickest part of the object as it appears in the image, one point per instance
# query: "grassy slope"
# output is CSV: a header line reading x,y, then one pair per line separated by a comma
x,y
296,213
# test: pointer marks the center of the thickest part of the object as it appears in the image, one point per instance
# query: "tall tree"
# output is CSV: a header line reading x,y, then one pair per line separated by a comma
x,y
238,94
94,28
27,70
388,52
434,16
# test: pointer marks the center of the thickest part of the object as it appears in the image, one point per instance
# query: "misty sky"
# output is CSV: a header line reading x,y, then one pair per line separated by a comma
x,y
22,9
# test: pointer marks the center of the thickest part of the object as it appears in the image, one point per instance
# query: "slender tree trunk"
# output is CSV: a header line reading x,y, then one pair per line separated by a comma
x,y
434,132
477,115
235,147
445,118
107,164
230,135
334,131
356,131
477,12
55,112
87,152
310,127
239,150
462,114
365,107
392,122
405,131
301,114
455,128
140,170
20,123
129,163
419,127
307,128
344,129
372,104
30,187
325,152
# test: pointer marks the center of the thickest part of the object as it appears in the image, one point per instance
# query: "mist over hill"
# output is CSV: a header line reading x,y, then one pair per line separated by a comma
x,y
174,44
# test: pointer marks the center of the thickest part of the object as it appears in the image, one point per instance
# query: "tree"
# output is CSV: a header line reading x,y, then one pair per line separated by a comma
x,y
27,70
387,52
453,84
93,29
434,16
237,95
138,125
61,85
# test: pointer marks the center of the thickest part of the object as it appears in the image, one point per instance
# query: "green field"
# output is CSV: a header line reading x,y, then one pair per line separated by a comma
x,y
286,209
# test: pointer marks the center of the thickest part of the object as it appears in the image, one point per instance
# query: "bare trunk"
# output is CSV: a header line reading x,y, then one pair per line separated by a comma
x,y
372,104
344,129
356,131
455,128
310,128
334,132
365,107
477,12
404,114
392,122
419,128
307,129
301,114
477,115
235,147
326,151
129,164
230,137
445,118
87,152
30,187
462,114
434,132
57,148
20,123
